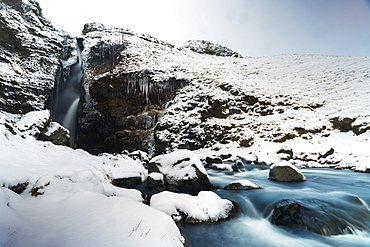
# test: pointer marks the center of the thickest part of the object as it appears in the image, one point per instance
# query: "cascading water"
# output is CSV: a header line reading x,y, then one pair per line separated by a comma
x,y
65,100
345,195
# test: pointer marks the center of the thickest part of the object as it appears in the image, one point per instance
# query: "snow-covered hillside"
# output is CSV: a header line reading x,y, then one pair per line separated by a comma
x,y
250,107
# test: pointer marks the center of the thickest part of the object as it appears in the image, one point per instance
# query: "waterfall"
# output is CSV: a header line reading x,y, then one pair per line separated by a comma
x,y
64,101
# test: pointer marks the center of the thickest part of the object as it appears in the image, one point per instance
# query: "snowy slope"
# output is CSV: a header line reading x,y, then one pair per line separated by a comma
x,y
253,106
65,197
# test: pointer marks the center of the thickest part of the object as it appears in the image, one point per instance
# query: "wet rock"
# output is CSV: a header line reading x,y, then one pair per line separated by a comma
x,y
319,216
155,181
213,160
182,171
242,185
127,182
285,172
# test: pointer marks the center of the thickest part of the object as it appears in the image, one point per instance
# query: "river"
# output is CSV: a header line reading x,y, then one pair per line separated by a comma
x,y
347,191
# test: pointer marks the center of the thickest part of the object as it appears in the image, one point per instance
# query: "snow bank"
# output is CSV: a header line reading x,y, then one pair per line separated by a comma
x,y
206,206
65,198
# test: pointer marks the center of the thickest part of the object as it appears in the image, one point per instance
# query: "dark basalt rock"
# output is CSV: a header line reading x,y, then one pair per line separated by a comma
x,y
285,172
241,185
319,216
18,188
126,182
154,183
128,106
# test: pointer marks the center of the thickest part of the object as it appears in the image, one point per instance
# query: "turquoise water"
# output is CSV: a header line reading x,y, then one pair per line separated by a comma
x,y
348,192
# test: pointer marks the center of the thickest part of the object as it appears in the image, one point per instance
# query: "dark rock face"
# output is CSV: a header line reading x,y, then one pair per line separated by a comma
x,y
128,107
155,182
126,182
29,53
319,216
182,172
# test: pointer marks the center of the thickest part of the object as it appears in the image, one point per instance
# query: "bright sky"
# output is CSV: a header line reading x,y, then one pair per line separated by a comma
x,y
250,27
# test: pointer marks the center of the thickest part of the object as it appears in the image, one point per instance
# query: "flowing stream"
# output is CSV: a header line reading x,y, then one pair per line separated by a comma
x,y
66,97
348,192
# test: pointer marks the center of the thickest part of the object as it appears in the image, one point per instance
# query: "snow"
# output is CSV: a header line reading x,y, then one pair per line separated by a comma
x,y
170,166
206,206
33,122
69,199
157,176
246,183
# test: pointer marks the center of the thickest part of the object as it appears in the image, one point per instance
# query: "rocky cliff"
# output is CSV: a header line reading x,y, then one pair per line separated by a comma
x,y
123,103
30,49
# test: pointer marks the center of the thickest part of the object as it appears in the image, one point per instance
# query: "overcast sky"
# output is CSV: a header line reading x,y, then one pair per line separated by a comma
x,y
250,27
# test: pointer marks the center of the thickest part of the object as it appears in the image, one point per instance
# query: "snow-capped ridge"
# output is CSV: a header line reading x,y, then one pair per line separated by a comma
x,y
207,47
99,27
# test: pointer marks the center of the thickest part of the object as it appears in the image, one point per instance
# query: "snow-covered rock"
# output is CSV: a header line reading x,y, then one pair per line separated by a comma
x,y
123,170
56,133
286,172
207,206
33,123
182,171
206,47
243,184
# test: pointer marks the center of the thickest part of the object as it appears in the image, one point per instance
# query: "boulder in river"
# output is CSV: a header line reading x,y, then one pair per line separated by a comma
x,y
286,172
242,185
321,217
207,206
182,171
